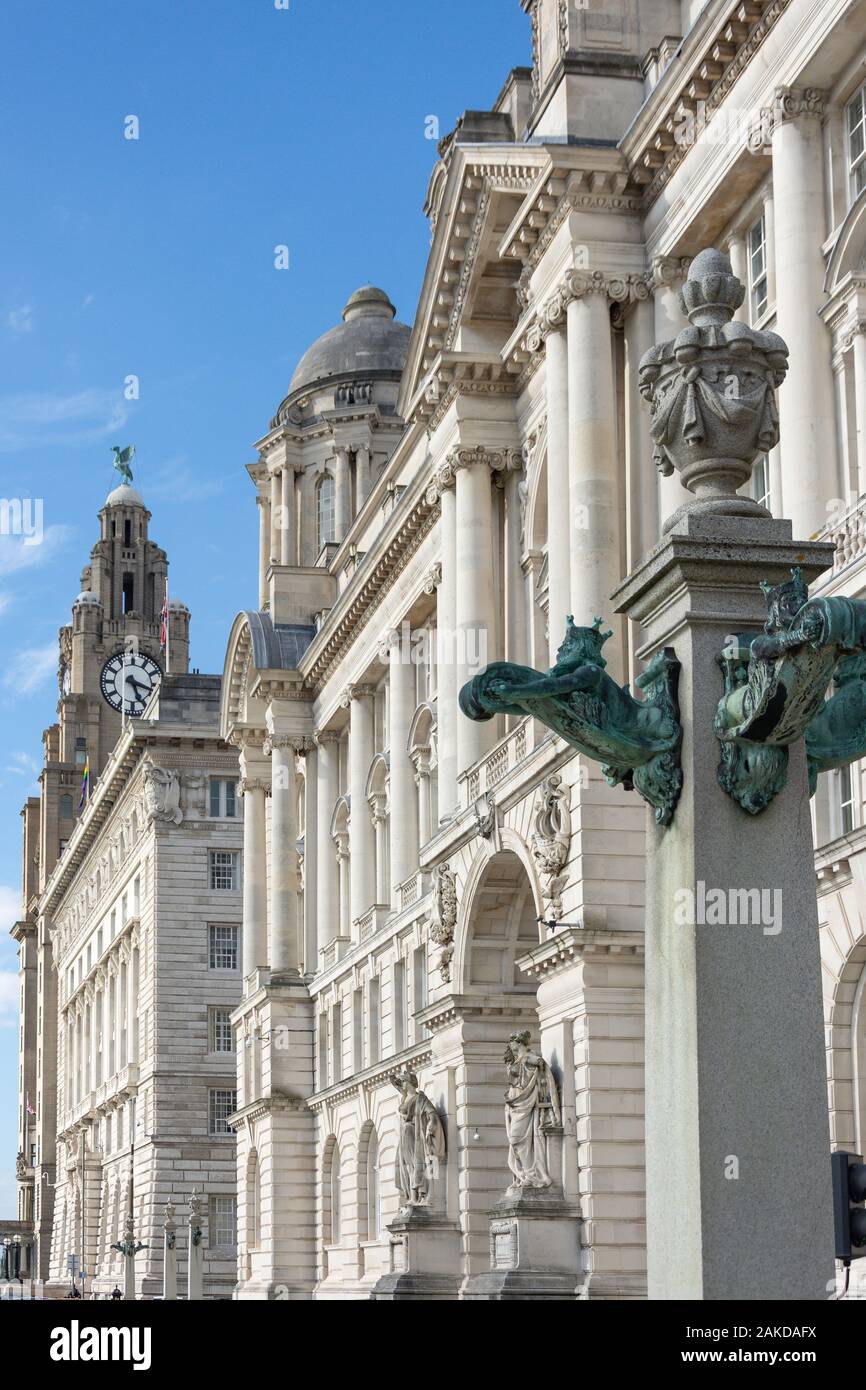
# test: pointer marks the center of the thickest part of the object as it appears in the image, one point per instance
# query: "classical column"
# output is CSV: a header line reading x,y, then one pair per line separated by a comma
x,y
264,546
558,528
476,601
342,494
285,927
341,850
737,255
362,473
810,473
309,830
275,518
379,822
288,520
253,786
857,337
359,698
642,512
446,626
668,274
516,636
421,764
327,887
402,795
594,499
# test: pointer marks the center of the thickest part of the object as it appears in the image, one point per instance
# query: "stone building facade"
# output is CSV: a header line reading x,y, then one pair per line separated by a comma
x,y
419,887
130,936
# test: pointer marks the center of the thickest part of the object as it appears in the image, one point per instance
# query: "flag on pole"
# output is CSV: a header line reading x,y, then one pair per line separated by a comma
x,y
163,631
30,1110
85,785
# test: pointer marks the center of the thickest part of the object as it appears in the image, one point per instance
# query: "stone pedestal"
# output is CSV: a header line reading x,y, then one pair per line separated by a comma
x,y
534,1249
737,1170
424,1256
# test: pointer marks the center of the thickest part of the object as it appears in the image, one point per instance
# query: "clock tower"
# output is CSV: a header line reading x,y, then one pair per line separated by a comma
x,y
111,659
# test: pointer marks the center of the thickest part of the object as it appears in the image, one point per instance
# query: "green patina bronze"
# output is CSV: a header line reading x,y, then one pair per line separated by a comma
x,y
636,741
122,459
775,692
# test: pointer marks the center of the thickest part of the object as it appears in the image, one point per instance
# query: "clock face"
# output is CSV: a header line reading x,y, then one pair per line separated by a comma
x,y
128,679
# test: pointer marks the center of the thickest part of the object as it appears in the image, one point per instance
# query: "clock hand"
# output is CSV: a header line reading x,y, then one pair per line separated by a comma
x,y
140,690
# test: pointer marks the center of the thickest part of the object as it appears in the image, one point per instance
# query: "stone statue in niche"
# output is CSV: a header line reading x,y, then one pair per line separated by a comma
x,y
162,794
531,1111
421,1146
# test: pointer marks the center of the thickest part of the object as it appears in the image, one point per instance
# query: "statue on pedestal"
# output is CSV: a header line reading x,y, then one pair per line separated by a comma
x,y
421,1145
531,1109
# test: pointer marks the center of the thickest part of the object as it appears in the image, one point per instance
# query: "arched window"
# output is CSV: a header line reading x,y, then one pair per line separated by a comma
x,y
325,509
331,1192
374,1190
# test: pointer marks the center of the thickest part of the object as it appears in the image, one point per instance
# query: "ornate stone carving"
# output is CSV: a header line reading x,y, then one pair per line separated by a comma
x,y
485,815
551,840
636,741
444,918
194,798
162,794
421,1145
775,689
532,1110
711,392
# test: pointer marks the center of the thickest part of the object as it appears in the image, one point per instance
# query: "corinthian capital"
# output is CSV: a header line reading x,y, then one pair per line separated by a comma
x,y
668,271
496,460
792,104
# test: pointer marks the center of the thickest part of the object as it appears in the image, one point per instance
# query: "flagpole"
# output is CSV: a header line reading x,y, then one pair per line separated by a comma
x,y
167,630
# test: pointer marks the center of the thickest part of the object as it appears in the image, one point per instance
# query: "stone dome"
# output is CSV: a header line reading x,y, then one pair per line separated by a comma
x,y
177,605
87,597
370,339
124,496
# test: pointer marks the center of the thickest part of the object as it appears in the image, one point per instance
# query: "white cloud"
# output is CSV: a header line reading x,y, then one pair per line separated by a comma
x,y
30,668
23,765
21,320
43,418
16,554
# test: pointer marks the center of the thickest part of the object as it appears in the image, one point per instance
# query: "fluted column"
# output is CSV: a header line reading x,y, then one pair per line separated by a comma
x,y
592,462
253,786
558,528
402,795
312,845
476,600
810,473
342,494
327,886
443,488
359,699
264,546
362,473
285,953
288,519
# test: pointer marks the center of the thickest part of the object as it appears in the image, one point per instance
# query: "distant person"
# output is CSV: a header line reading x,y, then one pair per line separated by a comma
x,y
115,1292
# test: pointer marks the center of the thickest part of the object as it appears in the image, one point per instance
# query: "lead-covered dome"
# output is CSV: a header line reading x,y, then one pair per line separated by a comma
x,y
124,496
370,339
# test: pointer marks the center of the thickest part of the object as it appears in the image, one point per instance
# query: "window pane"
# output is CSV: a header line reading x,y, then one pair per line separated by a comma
x,y
223,952
222,1104
325,501
230,798
223,869
214,797
224,1221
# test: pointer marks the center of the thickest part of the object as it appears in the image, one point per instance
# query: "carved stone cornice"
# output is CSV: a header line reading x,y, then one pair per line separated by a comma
x,y
497,460
298,743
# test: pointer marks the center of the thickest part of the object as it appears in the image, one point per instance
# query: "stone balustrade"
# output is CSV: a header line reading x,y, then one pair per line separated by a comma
x,y
848,532
495,766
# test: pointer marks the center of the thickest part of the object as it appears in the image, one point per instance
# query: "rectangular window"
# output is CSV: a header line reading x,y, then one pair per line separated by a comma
x,y
223,1221
358,1030
419,985
223,796
223,870
857,142
220,1033
222,947
399,1005
337,1040
758,268
323,1051
80,752
375,1016
221,1104
846,800
761,482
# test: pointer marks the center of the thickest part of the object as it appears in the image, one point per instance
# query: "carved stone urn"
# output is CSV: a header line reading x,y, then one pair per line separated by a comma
x,y
712,393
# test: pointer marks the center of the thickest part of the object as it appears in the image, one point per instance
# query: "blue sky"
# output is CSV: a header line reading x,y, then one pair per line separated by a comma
x,y
258,127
